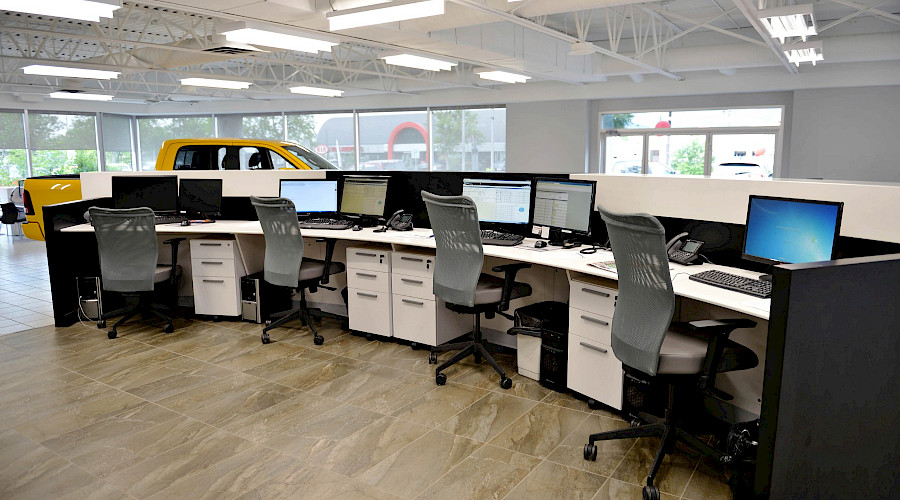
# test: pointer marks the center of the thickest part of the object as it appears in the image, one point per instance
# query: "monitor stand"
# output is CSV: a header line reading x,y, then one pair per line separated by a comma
x,y
557,238
363,220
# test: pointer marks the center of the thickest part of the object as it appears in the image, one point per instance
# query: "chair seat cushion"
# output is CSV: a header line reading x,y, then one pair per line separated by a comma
x,y
683,352
490,290
163,273
311,269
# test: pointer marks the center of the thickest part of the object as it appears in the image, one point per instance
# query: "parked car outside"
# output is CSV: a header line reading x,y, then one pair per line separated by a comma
x,y
732,170
634,167
46,190
237,154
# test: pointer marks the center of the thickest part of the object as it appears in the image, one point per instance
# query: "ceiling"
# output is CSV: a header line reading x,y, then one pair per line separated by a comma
x,y
156,43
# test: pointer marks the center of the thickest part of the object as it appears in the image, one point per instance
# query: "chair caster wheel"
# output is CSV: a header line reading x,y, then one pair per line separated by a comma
x,y
268,322
318,340
505,383
265,338
112,334
169,328
369,337
414,346
440,379
593,404
101,324
432,358
636,422
650,493
590,452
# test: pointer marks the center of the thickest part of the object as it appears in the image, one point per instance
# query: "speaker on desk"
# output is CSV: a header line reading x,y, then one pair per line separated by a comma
x,y
259,299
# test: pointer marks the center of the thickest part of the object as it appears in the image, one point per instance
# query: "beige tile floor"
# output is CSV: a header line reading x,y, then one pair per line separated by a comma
x,y
24,285
210,412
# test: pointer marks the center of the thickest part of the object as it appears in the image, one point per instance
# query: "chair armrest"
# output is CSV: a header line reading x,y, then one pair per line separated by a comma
x,y
174,244
718,331
720,326
329,253
509,278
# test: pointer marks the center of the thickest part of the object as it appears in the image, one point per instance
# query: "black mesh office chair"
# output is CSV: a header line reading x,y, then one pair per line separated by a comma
x,y
284,264
126,242
458,280
11,217
685,355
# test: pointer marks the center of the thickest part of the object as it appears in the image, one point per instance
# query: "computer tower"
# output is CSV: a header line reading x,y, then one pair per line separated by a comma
x,y
89,297
259,299
554,359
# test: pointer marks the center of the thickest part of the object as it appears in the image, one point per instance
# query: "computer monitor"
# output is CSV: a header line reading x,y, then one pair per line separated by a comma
x,y
310,196
364,196
565,206
500,201
200,197
159,192
785,230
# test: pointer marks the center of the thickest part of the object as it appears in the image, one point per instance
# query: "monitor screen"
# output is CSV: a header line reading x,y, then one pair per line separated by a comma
x,y
310,195
564,204
506,202
159,192
364,195
782,230
200,196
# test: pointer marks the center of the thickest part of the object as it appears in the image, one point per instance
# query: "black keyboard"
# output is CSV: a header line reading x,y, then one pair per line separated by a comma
x,y
325,224
750,286
168,219
489,237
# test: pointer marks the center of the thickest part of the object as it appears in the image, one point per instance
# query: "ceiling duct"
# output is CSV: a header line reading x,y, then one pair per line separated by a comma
x,y
188,52
221,45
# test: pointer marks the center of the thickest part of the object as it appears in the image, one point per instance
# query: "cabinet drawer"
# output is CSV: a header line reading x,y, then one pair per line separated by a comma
x,y
414,319
593,372
364,279
216,296
593,298
591,326
202,248
413,264
412,286
369,311
213,267
372,259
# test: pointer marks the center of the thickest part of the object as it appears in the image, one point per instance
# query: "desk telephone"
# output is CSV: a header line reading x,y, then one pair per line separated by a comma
x,y
399,221
683,250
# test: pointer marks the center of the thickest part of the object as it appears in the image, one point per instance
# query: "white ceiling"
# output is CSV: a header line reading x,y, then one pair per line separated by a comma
x,y
155,43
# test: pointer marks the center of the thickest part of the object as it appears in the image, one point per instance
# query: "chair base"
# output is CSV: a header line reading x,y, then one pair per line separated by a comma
x,y
141,306
475,348
303,313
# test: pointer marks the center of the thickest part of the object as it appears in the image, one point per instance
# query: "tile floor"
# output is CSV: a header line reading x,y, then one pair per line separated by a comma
x,y
25,301
210,412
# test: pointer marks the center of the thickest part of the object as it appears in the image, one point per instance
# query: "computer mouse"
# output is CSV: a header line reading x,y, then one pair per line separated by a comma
x,y
185,222
540,244
357,228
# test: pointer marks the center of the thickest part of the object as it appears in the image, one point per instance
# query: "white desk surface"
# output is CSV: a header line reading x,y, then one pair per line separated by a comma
x,y
568,259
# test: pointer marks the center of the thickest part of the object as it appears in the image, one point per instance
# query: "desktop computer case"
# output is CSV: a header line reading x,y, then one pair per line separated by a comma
x,y
90,299
259,300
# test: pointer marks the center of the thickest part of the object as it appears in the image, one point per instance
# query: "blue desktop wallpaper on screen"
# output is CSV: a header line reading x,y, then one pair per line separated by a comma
x,y
791,232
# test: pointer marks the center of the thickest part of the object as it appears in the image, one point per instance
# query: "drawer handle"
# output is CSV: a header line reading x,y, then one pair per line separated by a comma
x,y
367,275
590,346
407,280
595,292
211,262
364,254
214,281
594,320
412,259
362,294
210,244
415,302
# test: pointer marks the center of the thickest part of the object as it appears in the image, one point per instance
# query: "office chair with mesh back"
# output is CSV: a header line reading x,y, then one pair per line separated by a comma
x,y
284,264
685,355
458,280
11,217
126,241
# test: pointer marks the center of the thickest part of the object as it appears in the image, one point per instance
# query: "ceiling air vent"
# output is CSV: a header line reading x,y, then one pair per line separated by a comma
x,y
217,44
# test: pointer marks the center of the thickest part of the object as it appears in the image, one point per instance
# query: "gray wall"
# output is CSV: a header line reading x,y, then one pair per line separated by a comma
x,y
547,137
846,134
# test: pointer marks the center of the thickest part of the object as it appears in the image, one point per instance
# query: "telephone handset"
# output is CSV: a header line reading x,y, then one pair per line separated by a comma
x,y
399,221
683,250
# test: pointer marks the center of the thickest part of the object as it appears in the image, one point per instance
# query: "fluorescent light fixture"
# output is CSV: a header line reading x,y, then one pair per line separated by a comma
x,y
39,69
216,84
502,76
810,52
80,96
267,38
788,21
319,91
419,62
386,12
85,10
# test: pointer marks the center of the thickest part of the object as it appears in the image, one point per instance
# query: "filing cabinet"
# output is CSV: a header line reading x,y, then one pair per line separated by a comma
x,y
216,271
369,289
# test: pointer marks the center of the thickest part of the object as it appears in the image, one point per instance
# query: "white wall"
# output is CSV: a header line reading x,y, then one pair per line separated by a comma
x,y
547,137
846,133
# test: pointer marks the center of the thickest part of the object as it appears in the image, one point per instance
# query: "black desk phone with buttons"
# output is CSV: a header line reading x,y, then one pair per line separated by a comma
x,y
399,221
684,250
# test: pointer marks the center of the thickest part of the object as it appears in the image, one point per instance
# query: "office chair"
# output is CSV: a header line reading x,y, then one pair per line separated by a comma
x,y
284,264
685,355
11,217
126,241
458,280
253,162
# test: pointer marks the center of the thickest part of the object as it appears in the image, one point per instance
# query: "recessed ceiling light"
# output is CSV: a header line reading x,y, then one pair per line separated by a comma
x,y
788,21
285,41
86,10
385,12
80,96
39,69
317,91
419,62
810,52
216,84
502,76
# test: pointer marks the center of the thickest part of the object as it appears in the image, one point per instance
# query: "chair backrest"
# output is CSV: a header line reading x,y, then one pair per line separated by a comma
x,y
457,238
284,244
253,162
126,241
646,300
231,160
9,214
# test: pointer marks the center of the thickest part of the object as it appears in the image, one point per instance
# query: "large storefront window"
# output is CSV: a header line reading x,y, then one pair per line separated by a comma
x,y
62,143
13,163
268,127
331,135
117,142
154,131
393,141
469,139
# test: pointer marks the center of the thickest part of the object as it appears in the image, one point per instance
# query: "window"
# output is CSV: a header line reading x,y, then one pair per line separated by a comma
x,y
311,160
469,139
13,163
393,140
723,143
154,131
268,127
117,142
62,143
330,135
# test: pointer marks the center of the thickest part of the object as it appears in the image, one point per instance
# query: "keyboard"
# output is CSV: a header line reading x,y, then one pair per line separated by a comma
x,y
168,219
750,286
489,237
325,224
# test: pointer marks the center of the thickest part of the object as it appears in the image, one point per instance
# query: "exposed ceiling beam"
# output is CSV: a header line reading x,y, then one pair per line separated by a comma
x,y
890,17
707,26
749,10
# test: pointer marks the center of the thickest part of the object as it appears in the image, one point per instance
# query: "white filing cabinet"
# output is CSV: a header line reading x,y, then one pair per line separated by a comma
x,y
593,369
369,289
418,315
216,271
